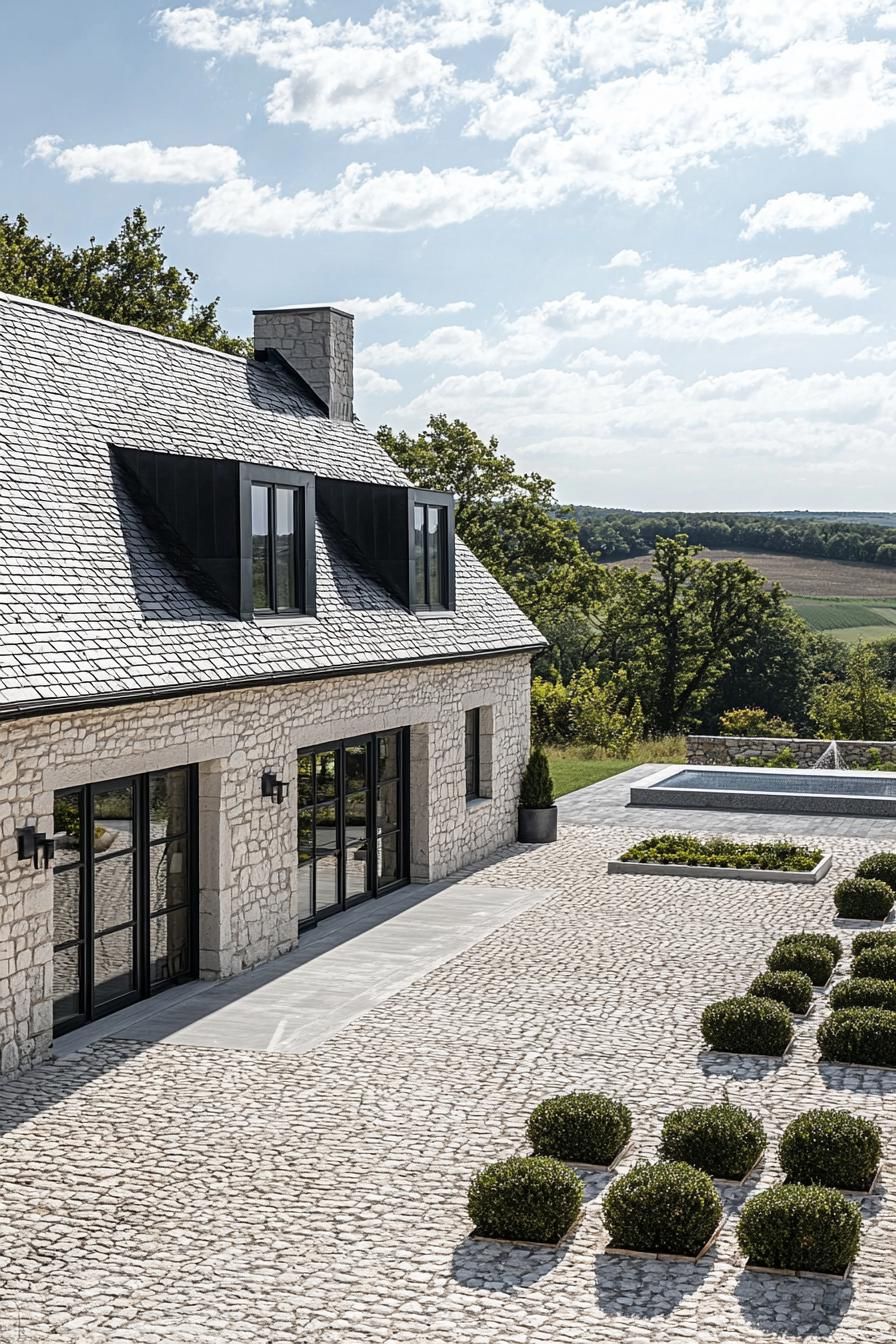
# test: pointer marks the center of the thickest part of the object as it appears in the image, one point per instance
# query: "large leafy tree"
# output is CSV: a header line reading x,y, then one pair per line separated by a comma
x,y
860,706
506,517
128,279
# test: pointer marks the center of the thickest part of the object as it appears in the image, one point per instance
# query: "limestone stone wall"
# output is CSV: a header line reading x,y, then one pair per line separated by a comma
x,y
728,750
248,883
319,344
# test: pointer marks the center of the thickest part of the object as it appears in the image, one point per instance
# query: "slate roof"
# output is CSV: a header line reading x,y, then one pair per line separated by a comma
x,y
91,607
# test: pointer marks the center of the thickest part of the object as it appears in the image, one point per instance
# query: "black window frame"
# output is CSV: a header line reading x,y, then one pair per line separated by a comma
x,y
473,753
431,499
305,576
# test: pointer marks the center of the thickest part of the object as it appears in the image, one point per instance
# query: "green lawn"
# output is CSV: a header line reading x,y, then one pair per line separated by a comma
x,y
575,767
849,620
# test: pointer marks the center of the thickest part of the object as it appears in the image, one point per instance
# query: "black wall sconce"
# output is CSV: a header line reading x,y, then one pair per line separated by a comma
x,y
272,787
32,844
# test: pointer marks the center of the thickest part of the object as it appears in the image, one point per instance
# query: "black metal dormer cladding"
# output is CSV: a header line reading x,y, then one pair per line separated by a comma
x,y
404,537
248,529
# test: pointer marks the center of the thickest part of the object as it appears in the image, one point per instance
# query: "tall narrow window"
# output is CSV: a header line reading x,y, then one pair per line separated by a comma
x,y
276,533
472,754
431,556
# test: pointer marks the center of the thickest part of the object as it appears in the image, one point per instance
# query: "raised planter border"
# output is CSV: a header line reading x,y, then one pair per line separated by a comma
x,y
667,1255
853,1064
821,869
800,1273
729,1181
870,1193
475,1235
842,922
596,1166
708,1051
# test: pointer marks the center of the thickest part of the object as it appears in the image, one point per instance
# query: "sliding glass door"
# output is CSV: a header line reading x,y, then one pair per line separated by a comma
x,y
124,892
353,832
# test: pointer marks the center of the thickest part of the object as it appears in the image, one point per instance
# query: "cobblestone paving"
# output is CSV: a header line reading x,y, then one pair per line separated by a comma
x,y
185,1195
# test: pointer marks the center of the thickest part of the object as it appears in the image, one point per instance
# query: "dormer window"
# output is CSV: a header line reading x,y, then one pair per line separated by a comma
x,y
278,542
432,552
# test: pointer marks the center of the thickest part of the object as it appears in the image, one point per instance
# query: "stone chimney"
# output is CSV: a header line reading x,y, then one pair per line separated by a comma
x,y
318,342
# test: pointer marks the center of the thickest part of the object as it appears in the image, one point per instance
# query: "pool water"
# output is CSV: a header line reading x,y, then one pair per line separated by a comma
x,y
783,781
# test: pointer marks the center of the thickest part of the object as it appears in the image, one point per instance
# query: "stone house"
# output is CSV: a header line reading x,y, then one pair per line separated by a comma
x,y
248,676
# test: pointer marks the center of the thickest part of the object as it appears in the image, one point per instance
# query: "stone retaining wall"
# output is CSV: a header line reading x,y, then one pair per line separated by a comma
x,y
729,750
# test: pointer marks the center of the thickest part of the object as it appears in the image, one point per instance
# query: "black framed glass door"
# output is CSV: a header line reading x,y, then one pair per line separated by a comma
x,y
352,822
125,892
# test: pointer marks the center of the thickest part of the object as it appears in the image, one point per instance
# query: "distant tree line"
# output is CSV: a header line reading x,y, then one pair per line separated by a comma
x,y
616,534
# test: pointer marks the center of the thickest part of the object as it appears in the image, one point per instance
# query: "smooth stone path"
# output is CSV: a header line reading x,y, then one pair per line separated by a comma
x,y
341,969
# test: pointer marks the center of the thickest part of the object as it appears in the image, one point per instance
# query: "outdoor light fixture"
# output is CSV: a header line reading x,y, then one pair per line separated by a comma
x,y
272,787
31,844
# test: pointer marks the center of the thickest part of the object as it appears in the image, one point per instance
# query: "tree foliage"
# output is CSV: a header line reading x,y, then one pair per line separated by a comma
x,y
128,280
860,706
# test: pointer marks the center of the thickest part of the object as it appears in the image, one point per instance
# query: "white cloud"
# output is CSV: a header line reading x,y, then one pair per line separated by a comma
x,y
139,161
803,210
878,354
828,276
372,384
627,257
396,305
767,25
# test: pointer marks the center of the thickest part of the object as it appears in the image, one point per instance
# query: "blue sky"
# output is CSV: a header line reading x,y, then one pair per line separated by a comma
x,y
647,245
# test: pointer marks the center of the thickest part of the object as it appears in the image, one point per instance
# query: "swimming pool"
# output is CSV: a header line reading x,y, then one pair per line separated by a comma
x,y
749,789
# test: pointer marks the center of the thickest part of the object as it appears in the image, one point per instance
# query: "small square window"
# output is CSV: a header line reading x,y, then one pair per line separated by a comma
x,y
277,515
472,753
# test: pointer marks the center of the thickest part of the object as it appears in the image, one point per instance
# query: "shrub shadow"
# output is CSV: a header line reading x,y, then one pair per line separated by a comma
x,y
744,1068
646,1289
779,1306
493,1267
863,1078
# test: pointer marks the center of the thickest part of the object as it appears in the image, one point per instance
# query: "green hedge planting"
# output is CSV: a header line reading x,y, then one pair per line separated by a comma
x,y
828,1147
878,963
881,867
723,1140
863,898
801,955
864,993
859,1036
800,1227
873,938
667,1207
747,1026
792,988
525,1199
827,940
580,1127
721,853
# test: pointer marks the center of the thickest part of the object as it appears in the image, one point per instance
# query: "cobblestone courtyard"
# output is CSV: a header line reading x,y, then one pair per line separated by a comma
x,y
160,1192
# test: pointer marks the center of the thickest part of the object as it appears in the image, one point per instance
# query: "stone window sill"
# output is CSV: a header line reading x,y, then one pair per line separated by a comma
x,y
477,804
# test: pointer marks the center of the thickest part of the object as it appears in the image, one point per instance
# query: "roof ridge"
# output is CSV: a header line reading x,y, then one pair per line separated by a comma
x,y
59,311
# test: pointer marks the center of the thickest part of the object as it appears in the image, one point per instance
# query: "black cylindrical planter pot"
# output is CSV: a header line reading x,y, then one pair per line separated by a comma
x,y
537,825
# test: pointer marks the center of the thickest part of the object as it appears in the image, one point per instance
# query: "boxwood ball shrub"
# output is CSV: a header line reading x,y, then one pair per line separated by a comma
x,y
827,1147
828,940
747,1026
865,993
863,898
580,1127
792,988
859,1036
800,1227
881,867
878,963
667,1207
813,960
723,1140
873,938
525,1199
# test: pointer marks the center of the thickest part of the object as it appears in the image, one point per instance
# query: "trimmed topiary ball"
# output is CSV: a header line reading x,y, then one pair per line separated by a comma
x,y
747,1026
792,988
863,898
667,1207
724,1140
859,1036
813,960
800,1227
525,1199
876,963
580,1127
881,867
873,938
828,1147
865,993
828,940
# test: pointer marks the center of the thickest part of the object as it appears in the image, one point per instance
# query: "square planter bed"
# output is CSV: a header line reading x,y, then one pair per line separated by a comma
x,y
865,923
662,1255
800,1273
871,1193
476,1235
610,1166
729,1182
805,1017
705,870
820,989
707,1053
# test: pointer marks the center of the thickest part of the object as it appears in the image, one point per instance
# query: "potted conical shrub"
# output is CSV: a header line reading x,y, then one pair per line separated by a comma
x,y
537,811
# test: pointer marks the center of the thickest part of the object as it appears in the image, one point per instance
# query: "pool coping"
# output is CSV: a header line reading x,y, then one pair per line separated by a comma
x,y
648,792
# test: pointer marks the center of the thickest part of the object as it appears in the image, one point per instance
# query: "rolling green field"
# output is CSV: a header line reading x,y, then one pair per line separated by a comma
x,y
849,619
